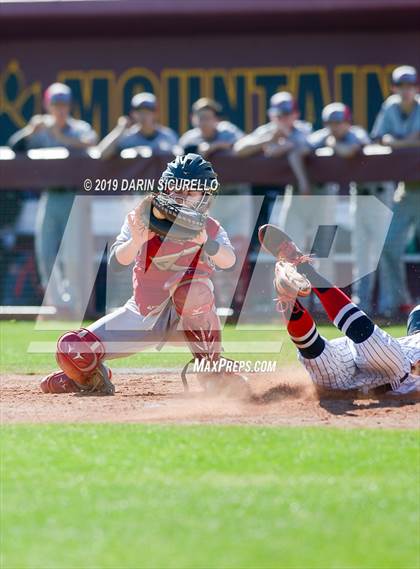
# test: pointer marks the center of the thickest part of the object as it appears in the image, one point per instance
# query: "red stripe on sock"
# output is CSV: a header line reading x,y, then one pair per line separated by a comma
x,y
302,325
333,300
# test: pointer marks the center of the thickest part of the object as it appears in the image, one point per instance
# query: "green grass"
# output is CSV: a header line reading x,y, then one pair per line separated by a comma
x,y
134,496
15,338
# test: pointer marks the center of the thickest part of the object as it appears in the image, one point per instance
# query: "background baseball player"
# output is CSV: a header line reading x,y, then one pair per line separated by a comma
x,y
140,129
367,357
141,132
346,140
172,295
284,135
210,135
58,128
398,125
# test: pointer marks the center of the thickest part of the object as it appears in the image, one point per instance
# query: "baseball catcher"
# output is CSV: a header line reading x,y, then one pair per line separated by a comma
x,y
367,357
175,247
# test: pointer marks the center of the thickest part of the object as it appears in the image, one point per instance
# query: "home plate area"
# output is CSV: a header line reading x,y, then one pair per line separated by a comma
x,y
284,398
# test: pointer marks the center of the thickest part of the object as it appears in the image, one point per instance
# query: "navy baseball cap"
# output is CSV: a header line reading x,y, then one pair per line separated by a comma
x,y
282,103
404,74
144,101
413,324
57,93
336,112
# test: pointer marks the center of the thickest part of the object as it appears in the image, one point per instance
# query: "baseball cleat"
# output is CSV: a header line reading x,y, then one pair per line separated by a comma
x,y
231,385
289,283
59,382
236,386
276,242
223,381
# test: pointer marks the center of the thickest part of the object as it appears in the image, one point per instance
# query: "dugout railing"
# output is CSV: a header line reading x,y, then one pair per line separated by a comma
x,y
376,163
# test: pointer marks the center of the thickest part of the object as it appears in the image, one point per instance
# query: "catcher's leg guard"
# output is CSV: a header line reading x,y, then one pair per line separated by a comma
x,y
80,354
194,302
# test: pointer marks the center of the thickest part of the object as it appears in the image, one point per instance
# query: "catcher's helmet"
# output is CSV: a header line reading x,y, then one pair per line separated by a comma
x,y
191,167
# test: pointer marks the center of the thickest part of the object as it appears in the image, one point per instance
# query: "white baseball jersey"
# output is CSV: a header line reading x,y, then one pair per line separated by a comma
x,y
392,120
379,360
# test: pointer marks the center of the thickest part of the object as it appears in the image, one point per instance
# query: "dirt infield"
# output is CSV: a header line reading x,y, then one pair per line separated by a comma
x,y
287,398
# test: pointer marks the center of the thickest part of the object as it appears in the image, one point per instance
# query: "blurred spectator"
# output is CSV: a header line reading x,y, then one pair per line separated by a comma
x,y
398,125
398,121
338,133
209,135
56,128
284,134
289,136
140,129
369,223
301,217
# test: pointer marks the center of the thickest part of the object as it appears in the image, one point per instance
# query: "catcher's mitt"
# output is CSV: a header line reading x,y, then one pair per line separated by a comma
x,y
167,218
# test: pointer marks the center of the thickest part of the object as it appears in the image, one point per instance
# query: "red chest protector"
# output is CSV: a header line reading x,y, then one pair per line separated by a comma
x,y
160,260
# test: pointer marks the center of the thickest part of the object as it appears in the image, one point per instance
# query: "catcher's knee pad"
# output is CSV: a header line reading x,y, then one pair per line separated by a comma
x,y
79,354
193,298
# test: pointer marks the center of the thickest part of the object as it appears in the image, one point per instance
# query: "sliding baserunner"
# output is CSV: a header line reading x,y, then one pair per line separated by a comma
x,y
367,357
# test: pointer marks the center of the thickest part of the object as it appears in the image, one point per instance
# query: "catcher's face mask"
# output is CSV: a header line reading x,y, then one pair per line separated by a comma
x,y
190,195
194,199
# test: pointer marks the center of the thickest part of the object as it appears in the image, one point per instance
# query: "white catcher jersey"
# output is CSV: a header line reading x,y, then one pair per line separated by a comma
x,y
379,360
